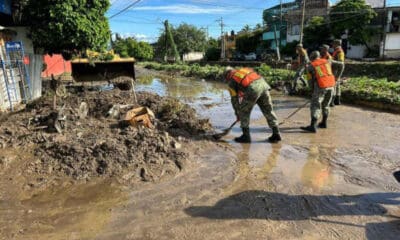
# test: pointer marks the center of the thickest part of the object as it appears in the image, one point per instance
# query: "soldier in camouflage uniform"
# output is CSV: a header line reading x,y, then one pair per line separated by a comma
x,y
338,55
247,88
325,52
322,84
302,61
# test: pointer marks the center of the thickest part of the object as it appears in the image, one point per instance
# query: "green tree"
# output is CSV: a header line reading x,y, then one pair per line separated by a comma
x,y
130,47
213,50
353,17
246,29
67,26
186,37
212,42
317,33
189,38
258,27
249,42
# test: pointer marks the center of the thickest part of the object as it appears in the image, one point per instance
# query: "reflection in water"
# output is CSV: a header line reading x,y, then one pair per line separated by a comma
x,y
249,176
316,172
183,88
77,212
145,80
271,161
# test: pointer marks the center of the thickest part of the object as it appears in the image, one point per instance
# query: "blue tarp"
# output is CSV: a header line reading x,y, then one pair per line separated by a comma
x,y
5,6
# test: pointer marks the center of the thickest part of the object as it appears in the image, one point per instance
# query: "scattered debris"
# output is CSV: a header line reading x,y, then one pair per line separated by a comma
x,y
94,141
140,116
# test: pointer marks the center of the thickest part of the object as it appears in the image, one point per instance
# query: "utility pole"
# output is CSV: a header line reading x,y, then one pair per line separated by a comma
x,y
205,29
221,23
278,54
302,21
280,25
384,25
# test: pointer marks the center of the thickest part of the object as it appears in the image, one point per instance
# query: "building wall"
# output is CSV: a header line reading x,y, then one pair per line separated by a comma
x,y
55,65
22,35
356,51
35,61
193,56
292,38
392,45
360,51
33,67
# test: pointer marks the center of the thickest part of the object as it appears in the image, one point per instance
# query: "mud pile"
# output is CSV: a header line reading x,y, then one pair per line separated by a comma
x,y
98,145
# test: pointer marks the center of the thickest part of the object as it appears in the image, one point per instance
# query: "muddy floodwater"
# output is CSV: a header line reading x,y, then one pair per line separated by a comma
x,y
336,184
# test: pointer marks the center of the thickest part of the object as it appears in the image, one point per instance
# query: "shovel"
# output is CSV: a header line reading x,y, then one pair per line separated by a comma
x,y
293,113
225,132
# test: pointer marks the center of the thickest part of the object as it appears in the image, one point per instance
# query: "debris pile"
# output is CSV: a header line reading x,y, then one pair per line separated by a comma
x,y
88,136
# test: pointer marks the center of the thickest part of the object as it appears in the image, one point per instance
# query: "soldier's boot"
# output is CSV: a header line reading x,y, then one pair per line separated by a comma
x,y
245,138
337,100
276,136
313,126
323,123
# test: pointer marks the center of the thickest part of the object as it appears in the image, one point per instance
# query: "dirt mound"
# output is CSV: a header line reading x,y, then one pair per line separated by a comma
x,y
100,145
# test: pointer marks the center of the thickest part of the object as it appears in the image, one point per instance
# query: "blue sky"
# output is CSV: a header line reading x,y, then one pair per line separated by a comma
x,y
144,19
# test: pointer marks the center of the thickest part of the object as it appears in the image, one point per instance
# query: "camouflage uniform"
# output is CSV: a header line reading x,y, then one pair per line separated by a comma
x,y
321,99
338,55
256,93
303,60
338,71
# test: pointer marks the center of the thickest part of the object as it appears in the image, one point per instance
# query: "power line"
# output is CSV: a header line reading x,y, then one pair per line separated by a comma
x,y
125,9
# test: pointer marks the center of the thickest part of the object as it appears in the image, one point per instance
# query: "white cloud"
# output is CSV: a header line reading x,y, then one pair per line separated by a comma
x,y
184,9
203,1
139,37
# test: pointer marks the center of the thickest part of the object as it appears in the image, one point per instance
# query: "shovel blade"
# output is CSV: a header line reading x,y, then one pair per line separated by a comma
x,y
225,132
218,136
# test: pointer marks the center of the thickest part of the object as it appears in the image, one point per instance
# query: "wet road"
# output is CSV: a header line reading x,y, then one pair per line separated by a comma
x,y
336,184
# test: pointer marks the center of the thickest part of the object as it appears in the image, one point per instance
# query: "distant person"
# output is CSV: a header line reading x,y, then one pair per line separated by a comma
x,y
325,52
338,55
248,88
301,62
322,84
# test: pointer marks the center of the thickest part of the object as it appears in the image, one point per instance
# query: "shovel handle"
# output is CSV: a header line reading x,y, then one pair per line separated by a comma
x,y
233,124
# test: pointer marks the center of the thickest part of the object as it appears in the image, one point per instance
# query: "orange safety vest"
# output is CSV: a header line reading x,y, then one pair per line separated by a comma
x,y
244,76
336,52
323,73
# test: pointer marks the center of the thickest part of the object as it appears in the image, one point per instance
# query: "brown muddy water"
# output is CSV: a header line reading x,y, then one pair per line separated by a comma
x,y
336,184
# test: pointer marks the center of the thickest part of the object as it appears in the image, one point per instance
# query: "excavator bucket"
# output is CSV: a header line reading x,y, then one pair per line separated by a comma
x,y
120,72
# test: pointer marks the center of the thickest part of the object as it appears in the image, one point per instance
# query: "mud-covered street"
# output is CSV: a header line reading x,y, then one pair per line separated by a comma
x,y
336,184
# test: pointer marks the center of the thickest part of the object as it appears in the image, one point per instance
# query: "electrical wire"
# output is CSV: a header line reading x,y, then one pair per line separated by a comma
x,y
125,9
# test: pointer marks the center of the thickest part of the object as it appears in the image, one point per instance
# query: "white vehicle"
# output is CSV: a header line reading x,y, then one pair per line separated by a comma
x,y
250,57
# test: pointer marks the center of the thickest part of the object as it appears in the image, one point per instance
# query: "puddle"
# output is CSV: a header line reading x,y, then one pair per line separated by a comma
x,y
74,212
302,160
